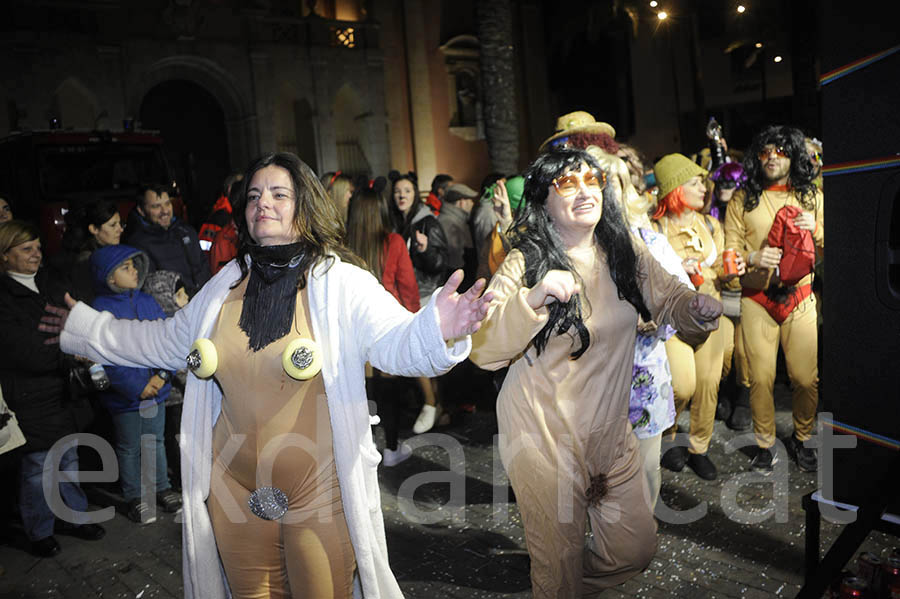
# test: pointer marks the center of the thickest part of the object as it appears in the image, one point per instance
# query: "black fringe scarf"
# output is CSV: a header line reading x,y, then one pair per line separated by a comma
x,y
271,297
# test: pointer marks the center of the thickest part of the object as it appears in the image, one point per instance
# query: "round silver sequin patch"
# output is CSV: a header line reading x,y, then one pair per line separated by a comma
x,y
302,357
268,503
193,359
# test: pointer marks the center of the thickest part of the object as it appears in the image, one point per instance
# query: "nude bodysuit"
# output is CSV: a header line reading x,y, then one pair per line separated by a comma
x,y
275,431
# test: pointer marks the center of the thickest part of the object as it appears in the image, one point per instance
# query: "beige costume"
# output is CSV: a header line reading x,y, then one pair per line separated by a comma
x,y
564,421
284,441
696,372
747,232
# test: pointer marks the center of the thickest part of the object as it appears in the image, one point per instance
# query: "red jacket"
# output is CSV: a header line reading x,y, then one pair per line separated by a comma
x,y
224,247
218,218
398,276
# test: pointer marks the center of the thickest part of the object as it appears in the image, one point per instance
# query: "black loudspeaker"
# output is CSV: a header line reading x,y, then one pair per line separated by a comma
x,y
861,309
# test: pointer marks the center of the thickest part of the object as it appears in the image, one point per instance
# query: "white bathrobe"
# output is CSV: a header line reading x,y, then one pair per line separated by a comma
x,y
354,320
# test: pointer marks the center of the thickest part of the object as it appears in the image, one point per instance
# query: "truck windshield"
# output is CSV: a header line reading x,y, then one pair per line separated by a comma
x,y
116,168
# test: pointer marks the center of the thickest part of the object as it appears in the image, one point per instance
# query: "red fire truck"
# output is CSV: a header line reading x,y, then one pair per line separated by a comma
x,y
45,173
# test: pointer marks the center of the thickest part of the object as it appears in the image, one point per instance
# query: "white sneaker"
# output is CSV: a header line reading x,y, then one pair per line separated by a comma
x,y
425,420
392,457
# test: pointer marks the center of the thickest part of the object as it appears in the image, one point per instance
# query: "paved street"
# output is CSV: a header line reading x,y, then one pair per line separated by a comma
x,y
474,547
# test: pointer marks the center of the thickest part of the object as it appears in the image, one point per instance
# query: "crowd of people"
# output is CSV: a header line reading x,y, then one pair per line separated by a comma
x,y
595,296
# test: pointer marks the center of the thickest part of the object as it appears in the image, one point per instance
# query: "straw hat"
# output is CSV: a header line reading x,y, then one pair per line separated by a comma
x,y
673,170
577,122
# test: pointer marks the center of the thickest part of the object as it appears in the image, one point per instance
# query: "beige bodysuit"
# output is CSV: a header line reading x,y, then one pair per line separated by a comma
x,y
563,421
275,431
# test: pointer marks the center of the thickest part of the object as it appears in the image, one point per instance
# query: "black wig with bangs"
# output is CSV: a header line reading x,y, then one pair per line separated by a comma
x,y
802,171
536,237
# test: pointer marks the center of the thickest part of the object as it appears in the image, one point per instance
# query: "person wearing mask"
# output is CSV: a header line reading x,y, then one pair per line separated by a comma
x,y
284,379
564,318
169,243
778,306
34,377
734,393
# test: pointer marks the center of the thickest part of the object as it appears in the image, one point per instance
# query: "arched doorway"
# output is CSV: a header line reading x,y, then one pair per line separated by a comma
x,y
192,125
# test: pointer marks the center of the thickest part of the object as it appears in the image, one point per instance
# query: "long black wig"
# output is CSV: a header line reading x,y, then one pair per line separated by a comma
x,y
802,170
534,234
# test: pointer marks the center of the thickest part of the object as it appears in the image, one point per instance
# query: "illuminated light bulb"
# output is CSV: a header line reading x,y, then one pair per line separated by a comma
x,y
759,44
741,8
661,15
653,3
778,59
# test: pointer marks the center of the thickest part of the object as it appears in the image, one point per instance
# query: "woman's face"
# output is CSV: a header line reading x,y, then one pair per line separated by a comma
x,y
24,258
575,202
271,207
404,195
694,193
109,233
725,193
5,211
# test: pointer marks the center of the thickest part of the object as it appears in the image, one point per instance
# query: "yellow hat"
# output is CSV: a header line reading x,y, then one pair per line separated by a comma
x,y
577,122
673,170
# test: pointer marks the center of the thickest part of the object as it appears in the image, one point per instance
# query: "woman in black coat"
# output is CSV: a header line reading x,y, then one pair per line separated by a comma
x,y
425,238
34,377
428,248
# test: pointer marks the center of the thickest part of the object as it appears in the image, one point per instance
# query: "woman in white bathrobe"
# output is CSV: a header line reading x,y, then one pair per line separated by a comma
x,y
292,278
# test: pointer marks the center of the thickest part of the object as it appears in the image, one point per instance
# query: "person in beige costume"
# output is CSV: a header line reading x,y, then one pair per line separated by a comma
x,y
779,175
698,239
564,317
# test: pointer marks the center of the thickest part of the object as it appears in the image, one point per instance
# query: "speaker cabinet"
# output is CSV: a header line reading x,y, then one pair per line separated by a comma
x,y
861,309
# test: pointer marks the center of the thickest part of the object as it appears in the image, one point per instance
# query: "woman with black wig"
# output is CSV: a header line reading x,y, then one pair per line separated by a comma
x,y
279,471
564,318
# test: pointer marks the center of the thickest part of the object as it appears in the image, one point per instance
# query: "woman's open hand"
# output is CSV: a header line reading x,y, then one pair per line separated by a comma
x,y
461,315
54,321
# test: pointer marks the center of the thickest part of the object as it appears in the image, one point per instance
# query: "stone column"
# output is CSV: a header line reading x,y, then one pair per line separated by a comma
x,y
322,77
419,91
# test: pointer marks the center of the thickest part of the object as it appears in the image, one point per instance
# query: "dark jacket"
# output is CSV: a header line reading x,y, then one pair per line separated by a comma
x,y
34,375
126,383
73,269
176,248
460,249
431,265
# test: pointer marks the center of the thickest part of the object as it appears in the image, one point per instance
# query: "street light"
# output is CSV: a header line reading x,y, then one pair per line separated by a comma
x,y
778,59
758,45
741,8
661,15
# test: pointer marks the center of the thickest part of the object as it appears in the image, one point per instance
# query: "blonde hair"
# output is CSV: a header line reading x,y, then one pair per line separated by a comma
x,y
13,233
635,207
338,188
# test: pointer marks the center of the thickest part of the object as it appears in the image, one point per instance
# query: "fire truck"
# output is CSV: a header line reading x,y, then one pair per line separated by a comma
x,y
46,173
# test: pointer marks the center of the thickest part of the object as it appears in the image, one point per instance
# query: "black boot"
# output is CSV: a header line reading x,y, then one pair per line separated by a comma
x,y
727,391
723,408
740,419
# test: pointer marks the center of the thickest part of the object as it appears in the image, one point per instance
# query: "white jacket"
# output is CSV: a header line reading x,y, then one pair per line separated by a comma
x,y
354,320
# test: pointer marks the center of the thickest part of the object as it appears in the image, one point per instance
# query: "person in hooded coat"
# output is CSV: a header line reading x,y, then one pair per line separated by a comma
x,y
136,396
